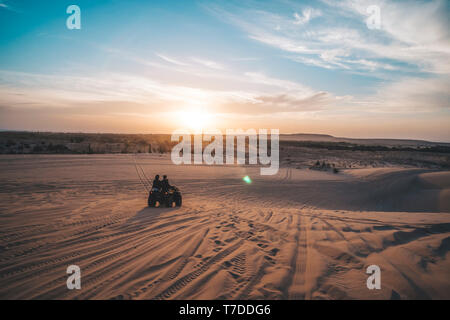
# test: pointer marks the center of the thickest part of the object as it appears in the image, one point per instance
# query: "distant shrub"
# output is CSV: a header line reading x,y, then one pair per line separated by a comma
x,y
57,148
76,139
37,149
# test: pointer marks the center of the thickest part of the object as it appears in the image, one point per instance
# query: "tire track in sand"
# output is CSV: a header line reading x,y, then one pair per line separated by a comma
x,y
184,281
298,287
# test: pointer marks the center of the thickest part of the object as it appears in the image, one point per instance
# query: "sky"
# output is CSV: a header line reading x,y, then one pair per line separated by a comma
x,y
297,66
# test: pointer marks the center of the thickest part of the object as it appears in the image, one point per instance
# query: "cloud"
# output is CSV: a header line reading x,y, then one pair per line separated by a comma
x,y
291,103
251,93
259,93
171,60
414,32
127,102
337,40
286,85
413,95
8,7
306,15
208,63
414,35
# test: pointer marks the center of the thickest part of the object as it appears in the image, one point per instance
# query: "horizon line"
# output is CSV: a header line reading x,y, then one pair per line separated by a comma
x,y
165,133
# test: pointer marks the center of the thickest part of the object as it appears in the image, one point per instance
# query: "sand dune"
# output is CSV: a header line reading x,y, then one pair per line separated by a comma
x,y
301,234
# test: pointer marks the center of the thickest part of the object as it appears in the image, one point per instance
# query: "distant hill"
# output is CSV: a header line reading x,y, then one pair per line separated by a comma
x,y
379,142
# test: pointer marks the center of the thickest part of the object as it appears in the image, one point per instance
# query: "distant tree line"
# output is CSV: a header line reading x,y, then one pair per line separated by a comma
x,y
358,147
48,142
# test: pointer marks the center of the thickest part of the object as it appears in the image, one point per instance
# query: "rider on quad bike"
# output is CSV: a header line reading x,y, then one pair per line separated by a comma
x,y
162,193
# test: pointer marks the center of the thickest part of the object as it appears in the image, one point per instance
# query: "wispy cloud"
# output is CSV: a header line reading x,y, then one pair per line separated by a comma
x,y
415,33
306,15
171,60
208,63
271,95
413,95
6,5
404,66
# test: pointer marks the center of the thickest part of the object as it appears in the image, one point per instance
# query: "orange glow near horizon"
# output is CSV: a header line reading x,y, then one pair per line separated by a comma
x,y
194,118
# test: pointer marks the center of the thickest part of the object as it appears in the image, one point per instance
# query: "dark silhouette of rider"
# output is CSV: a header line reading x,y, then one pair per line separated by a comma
x,y
157,183
165,184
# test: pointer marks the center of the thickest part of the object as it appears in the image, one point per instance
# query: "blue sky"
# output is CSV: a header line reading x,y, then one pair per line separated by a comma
x,y
155,66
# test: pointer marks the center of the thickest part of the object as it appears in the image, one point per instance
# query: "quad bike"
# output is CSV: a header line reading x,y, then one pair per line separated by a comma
x,y
171,198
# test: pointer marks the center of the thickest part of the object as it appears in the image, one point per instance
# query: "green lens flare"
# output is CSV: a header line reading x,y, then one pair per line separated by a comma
x,y
247,179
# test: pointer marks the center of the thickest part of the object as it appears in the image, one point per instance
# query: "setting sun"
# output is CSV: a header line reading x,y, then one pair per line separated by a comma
x,y
195,119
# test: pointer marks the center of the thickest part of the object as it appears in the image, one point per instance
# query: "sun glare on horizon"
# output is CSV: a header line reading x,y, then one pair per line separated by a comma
x,y
195,120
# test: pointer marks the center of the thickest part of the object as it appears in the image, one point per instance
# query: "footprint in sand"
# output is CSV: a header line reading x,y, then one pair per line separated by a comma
x,y
271,260
234,275
274,252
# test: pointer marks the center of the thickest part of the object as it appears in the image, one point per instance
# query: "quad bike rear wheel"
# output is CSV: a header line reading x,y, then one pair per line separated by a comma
x,y
178,201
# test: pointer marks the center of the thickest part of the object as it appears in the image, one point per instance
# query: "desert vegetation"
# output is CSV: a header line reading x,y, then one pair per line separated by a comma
x,y
342,155
331,155
82,143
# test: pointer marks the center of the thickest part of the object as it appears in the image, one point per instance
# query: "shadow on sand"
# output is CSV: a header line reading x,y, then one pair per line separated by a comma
x,y
147,215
